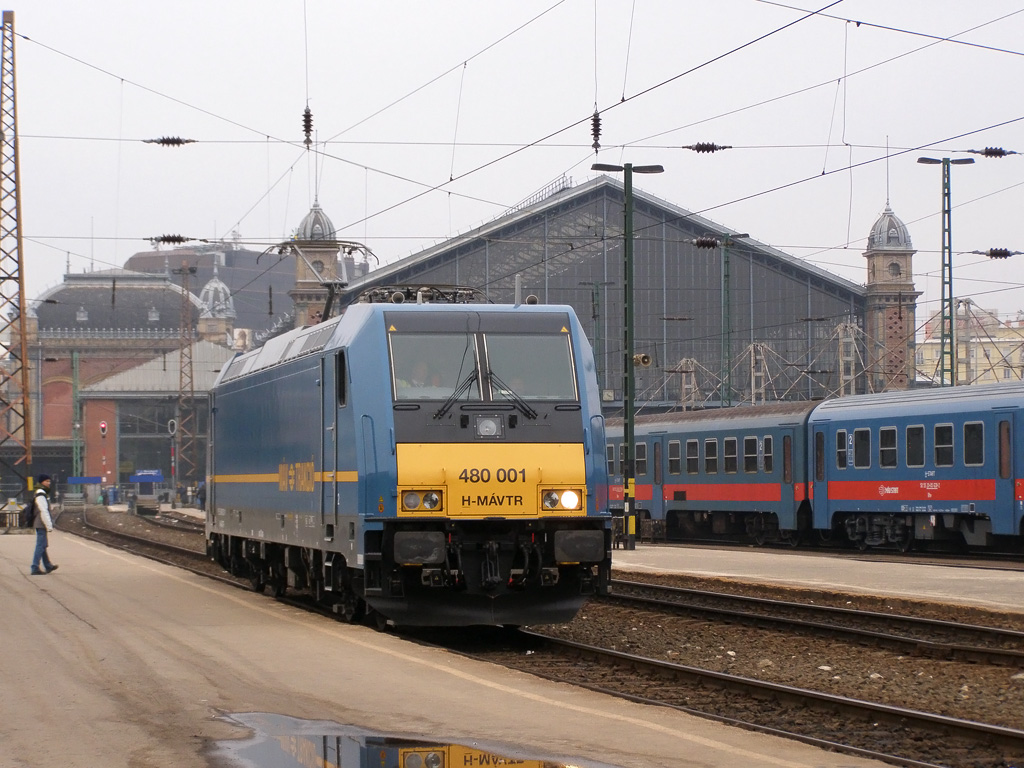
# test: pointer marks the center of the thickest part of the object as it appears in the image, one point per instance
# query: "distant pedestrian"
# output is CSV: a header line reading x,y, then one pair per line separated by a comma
x,y
43,525
201,496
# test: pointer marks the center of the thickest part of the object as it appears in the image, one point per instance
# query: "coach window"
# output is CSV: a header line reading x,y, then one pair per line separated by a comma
x,y
750,454
862,448
974,443
887,457
729,454
1004,450
769,454
622,457
711,457
609,451
675,458
915,446
658,463
641,459
787,459
943,445
841,457
819,456
692,457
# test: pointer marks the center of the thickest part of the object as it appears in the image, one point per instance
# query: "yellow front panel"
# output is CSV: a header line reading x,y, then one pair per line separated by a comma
x,y
491,479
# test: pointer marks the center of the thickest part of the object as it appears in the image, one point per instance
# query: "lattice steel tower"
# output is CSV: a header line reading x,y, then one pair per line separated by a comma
x,y
15,431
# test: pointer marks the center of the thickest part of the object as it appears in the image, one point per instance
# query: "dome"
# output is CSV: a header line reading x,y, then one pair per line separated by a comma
x,y
316,225
889,233
216,298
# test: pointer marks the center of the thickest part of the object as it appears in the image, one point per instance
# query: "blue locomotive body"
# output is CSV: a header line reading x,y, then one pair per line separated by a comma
x,y
895,469
461,498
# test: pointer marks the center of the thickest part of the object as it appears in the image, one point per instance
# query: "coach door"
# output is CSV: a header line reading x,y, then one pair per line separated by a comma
x,y
1009,471
819,477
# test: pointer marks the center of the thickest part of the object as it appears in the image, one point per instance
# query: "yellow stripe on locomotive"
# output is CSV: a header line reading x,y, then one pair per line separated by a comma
x,y
491,480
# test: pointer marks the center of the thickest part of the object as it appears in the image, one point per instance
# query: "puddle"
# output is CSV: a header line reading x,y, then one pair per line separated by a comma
x,y
278,741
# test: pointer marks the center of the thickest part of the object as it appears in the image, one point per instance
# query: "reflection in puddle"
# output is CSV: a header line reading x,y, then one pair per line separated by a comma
x,y
283,742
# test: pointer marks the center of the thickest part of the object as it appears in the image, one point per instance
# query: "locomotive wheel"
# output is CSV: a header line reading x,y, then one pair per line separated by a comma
x,y
278,581
259,584
351,608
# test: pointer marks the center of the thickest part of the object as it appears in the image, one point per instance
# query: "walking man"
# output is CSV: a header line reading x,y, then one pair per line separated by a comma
x,y
43,525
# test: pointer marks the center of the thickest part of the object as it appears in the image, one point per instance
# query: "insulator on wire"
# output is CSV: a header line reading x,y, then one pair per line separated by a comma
x,y
307,125
169,141
999,253
705,242
705,146
170,239
993,152
595,130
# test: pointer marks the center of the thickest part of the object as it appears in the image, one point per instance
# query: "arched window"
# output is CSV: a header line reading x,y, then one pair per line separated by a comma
x,y
894,269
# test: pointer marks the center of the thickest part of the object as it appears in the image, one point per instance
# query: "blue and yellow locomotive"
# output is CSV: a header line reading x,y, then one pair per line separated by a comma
x,y
432,463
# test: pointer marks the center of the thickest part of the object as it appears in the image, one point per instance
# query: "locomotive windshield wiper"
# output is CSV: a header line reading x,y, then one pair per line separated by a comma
x,y
461,390
511,394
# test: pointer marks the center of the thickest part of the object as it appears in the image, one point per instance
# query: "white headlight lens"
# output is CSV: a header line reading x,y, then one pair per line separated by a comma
x,y
434,760
413,761
488,427
411,500
550,500
431,500
570,499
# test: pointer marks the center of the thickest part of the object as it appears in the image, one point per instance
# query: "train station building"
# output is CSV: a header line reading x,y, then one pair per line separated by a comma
x,y
722,318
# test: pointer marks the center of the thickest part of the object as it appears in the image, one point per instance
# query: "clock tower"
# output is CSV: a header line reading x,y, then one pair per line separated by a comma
x,y
890,305
315,247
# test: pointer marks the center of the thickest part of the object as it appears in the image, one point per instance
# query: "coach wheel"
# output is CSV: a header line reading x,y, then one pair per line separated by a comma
x,y
906,541
757,531
789,538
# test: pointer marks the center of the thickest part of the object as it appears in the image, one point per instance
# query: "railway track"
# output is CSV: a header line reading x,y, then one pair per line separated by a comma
x,y
905,634
892,732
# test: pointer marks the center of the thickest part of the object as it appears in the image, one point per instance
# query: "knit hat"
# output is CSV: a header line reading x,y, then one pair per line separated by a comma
x,y
41,478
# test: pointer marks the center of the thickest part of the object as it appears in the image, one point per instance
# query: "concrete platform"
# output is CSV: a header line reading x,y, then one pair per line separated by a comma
x,y
986,586
131,661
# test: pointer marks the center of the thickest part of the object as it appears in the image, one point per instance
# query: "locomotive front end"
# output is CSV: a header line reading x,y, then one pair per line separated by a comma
x,y
494,518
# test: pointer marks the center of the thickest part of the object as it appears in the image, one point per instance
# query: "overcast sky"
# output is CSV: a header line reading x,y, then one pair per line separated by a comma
x,y
431,118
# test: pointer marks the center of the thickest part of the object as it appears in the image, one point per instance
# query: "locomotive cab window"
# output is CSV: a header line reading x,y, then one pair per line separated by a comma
x,y
433,366
974,444
944,445
531,367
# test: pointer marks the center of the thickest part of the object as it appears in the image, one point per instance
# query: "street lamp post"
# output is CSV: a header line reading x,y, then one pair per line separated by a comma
x,y
948,364
628,378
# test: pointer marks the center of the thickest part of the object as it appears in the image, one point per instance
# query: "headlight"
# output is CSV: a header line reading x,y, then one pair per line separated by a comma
x,y
561,499
434,760
431,500
570,499
550,500
413,761
489,426
411,500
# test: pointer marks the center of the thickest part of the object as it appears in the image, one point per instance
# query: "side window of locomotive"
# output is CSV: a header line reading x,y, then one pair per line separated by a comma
x,y
862,448
750,454
692,457
731,463
887,457
819,456
675,458
841,457
530,366
974,443
769,454
340,381
609,451
710,457
915,446
1004,450
944,445
433,366
641,459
